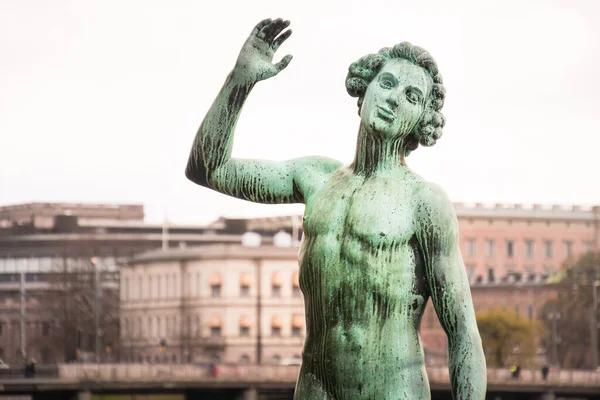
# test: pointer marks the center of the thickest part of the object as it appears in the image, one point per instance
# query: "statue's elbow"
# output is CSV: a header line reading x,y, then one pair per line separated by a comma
x,y
195,175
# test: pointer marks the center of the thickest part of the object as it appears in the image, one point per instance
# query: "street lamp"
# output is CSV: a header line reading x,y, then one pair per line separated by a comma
x,y
594,324
554,317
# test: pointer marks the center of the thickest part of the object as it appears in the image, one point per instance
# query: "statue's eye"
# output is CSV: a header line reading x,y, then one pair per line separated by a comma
x,y
387,84
413,96
387,80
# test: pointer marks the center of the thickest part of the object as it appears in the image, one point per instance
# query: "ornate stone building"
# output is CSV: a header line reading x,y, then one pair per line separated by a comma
x,y
225,303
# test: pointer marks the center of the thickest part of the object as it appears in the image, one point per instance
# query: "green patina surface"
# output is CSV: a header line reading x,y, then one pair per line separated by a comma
x,y
379,240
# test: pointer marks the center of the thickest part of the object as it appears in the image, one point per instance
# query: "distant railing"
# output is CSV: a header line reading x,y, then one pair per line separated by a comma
x,y
73,373
176,372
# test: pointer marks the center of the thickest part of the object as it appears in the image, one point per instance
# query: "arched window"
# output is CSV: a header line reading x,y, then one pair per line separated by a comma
x,y
215,285
244,326
297,324
276,325
296,292
276,282
215,325
244,285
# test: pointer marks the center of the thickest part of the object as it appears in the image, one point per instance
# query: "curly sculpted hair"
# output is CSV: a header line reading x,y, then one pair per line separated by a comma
x,y
363,71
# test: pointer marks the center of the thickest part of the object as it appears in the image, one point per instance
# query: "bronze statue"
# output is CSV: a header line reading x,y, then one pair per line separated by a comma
x,y
379,240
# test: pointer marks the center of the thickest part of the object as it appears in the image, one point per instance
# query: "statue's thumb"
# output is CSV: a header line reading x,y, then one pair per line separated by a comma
x,y
284,62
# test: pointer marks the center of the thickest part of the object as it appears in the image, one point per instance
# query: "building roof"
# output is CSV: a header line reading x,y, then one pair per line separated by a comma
x,y
217,252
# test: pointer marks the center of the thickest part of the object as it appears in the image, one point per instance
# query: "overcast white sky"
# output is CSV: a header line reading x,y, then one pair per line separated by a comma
x,y
100,100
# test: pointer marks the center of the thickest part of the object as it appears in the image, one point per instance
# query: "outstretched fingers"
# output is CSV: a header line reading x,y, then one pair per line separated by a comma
x,y
276,27
261,25
280,39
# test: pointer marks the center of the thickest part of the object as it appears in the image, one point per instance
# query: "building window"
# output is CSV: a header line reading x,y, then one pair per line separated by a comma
x,y
245,285
296,292
491,276
215,325
244,359
587,246
276,324
244,291
215,285
149,287
45,328
244,325
471,247
530,269
510,248
276,283
529,249
548,248
215,290
470,272
297,324
276,291
489,247
568,248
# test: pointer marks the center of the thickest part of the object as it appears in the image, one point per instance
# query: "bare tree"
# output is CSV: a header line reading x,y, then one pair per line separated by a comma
x,y
82,300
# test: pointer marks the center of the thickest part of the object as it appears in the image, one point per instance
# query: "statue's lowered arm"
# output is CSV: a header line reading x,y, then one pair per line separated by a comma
x,y
210,163
451,296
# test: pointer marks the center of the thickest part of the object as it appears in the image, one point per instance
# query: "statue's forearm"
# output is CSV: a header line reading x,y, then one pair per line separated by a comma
x,y
467,367
214,140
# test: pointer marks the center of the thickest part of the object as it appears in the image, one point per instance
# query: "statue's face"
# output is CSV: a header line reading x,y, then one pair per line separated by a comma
x,y
395,99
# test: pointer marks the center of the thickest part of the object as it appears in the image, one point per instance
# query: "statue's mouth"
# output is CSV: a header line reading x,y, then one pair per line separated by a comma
x,y
385,113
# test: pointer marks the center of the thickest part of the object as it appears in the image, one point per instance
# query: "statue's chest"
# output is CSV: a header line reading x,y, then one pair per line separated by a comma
x,y
375,211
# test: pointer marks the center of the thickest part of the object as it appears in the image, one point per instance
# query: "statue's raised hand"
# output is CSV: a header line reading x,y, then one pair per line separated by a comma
x,y
255,61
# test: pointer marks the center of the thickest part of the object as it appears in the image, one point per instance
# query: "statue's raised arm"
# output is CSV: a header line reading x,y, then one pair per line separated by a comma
x,y
210,163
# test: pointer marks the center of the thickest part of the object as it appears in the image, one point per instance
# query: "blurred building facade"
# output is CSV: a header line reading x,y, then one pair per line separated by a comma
x,y
509,252
221,303
56,249
515,243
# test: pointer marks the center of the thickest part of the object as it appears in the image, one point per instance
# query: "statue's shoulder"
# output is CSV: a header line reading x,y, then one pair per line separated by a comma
x,y
311,173
432,205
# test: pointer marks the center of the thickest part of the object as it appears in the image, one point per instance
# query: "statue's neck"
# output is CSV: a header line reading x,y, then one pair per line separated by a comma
x,y
374,154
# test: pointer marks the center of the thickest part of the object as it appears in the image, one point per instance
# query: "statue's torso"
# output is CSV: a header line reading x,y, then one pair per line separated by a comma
x,y
364,289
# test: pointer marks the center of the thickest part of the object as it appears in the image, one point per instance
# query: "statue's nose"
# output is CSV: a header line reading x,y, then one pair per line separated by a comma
x,y
392,100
